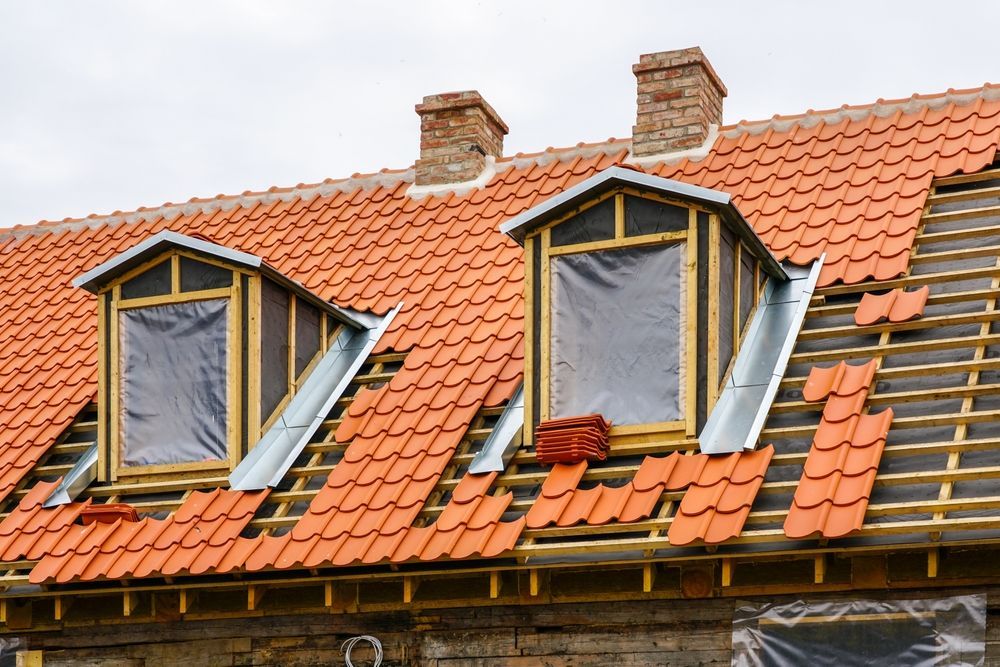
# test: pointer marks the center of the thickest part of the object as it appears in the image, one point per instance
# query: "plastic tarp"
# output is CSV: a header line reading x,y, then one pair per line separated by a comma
x,y
274,313
942,631
617,341
173,363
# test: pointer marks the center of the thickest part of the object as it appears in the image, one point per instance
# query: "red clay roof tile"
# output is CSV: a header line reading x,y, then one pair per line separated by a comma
x,y
893,306
839,472
716,505
851,185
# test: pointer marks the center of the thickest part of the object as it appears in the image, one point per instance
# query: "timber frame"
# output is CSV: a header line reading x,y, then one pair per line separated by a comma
x,y
244,330
540,249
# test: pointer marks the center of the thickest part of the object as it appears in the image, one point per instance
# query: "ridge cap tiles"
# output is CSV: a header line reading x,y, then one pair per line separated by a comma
x,y
364,244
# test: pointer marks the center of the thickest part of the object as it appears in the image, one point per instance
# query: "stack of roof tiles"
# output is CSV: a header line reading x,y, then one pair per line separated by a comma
x,y
850,182
572,439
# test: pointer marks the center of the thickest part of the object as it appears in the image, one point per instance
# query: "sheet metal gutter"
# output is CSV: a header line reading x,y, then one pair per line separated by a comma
x,y
739,415
76,480
266,464
503,440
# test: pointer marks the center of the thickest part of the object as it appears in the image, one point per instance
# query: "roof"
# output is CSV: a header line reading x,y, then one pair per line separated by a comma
x,y
852,183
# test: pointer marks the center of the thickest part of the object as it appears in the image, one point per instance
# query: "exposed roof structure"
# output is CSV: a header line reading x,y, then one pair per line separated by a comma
x,y
866,450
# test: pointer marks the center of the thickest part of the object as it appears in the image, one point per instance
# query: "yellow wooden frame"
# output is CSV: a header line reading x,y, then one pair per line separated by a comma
x,y
543,237
110,452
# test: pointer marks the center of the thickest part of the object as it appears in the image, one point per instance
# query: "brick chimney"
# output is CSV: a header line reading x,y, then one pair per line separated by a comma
x,y
457,132
679,96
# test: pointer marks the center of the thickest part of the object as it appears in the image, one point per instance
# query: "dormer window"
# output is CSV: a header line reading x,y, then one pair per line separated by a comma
x,y
637,291
202,348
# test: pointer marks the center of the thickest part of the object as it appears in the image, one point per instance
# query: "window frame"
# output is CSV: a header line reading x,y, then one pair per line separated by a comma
x,y
110,304
678,429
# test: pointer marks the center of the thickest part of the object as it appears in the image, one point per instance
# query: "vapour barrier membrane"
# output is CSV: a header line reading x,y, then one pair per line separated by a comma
x,y
941,631
617,343
173,363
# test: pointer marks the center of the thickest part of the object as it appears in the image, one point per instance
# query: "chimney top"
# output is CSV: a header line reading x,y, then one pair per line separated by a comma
x,y
679,96
457,132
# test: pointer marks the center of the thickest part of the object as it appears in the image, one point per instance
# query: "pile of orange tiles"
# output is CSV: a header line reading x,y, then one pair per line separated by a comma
x,y
572,439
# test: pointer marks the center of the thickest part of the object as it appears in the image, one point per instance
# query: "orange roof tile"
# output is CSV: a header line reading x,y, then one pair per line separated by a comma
x,y
572,439
893,306
839,472
850,183
716,505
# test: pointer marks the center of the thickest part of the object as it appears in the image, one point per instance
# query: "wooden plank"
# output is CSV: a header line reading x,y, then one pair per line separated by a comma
x,y
955,255
624,242
619,216
963,214
714,241
201,295
529,341
869,351
852,330
960,179
939,199
691,326
545,328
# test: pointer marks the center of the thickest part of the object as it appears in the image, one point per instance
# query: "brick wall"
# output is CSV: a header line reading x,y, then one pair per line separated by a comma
x,y
678,96
457,132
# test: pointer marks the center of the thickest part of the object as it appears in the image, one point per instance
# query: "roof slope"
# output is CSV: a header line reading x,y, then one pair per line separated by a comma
x,y
851,183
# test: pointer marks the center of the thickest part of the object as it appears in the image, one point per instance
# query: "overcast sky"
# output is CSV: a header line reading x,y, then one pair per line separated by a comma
x,y
115,105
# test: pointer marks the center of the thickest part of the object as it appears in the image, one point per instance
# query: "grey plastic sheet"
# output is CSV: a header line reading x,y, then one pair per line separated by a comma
x,y
940,631
173,363
274,314
617,345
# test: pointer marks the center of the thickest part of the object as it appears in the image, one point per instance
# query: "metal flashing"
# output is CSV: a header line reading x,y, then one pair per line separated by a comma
x,y
615,176
275,453
738,417
503,440
76,480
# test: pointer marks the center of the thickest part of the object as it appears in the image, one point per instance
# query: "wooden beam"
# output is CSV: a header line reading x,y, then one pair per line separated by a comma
x,y
187,599
727,572
648,577
496,584
819,568
933,560
534,582
62,605
410,586
130,600
255,594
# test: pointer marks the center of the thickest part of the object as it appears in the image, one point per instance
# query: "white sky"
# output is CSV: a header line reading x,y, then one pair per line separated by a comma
x,y
115,105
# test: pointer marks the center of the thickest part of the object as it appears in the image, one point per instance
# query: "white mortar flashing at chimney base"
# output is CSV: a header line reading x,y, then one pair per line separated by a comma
x,y
420,191
693,154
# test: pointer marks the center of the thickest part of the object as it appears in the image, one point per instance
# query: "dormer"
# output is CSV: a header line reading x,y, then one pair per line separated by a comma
x,y
638,292
201,348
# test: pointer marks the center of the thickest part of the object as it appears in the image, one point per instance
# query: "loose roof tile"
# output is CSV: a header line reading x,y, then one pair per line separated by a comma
x,y
837,479
894,306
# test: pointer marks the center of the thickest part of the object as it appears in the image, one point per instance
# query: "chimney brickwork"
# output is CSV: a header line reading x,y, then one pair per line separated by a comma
x,y
679,95
457,132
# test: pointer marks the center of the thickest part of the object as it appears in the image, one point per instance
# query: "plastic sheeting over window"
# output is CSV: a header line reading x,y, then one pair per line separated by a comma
x,y
944,631
617,346
173,363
